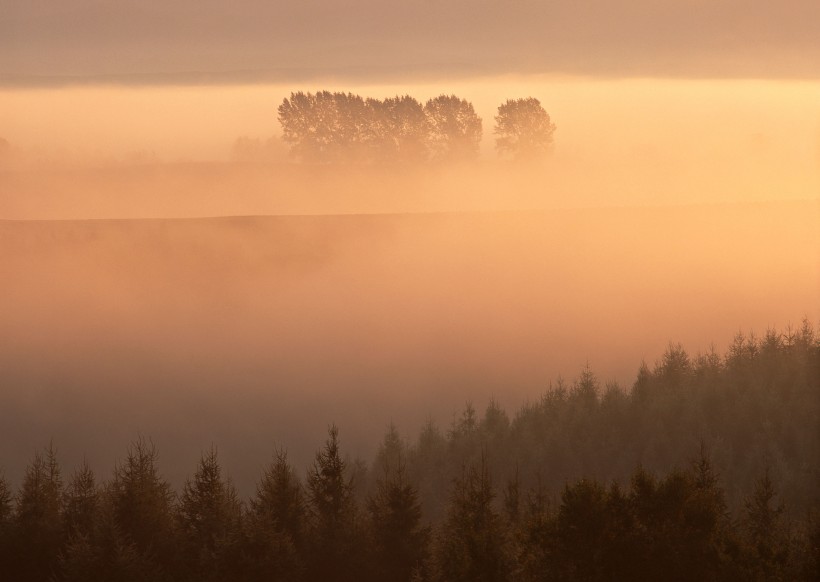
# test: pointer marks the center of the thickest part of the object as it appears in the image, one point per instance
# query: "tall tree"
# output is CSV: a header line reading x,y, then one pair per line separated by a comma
x,y
324,126
276,525
209,515
335,541
765,532
454,128
38,525
523,129
141,505
472,544
399,539
82,499
397,129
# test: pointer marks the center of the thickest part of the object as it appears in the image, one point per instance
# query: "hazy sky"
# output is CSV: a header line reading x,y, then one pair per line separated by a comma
x,y
173,40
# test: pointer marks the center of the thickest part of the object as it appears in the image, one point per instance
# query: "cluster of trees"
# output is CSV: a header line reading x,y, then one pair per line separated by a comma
x,y
333,127
542,496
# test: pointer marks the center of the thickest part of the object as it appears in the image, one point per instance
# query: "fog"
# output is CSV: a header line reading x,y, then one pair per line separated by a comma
x,y
161,279
108,152
256,332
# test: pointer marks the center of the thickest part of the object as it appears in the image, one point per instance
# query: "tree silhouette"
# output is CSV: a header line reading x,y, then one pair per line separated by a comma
x,y
140,519
400,541
397,129
334,529
38,525
764,529
454,128
82,499
471,545
276,525
523,129
209,516
324,126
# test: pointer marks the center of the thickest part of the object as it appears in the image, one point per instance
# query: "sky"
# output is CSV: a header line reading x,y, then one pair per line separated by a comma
x,y
195,41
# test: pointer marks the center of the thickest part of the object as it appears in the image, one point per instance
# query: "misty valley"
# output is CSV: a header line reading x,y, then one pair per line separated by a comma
x,y
540,424
322,292
707,467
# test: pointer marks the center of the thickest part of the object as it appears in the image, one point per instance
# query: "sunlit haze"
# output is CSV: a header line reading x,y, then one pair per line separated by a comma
x,y
215,231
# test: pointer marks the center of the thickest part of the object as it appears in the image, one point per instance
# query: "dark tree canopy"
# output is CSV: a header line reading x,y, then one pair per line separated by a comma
x,y
455,128
323,126
599,484
523,129
327,127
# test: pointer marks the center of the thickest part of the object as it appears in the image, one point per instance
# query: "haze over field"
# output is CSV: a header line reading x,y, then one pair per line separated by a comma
x,y
234,224
254,331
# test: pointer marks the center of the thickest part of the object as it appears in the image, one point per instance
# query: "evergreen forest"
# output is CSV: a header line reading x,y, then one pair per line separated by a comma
x,y
706,468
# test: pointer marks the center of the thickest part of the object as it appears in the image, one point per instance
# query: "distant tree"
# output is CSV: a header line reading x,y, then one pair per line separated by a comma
x,y
765,531
334,533
581,531
82,500
324,126
5,501
399,539
397,129
6,515
472,544
209,515
38,526
276,525
141,504
256,150
454,128
523,129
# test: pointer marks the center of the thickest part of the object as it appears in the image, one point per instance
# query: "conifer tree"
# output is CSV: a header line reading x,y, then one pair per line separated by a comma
x,y
335,541
141,504
82,499
472,544
38,524
276,525
209,516
5,520
399,539
764,528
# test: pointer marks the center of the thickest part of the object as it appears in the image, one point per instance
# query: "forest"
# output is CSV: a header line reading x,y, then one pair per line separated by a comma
x,y
706,468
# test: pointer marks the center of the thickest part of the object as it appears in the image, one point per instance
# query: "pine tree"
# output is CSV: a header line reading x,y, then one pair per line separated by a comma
x,y
472,544
82,500
276,526
38,525
335,544
6,516
763,524
399,539
209,516
141,505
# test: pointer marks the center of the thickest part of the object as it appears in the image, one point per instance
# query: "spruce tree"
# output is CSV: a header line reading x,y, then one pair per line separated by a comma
x,y
209,517
472,544
38,525
399,539
275,528
141,505
336,544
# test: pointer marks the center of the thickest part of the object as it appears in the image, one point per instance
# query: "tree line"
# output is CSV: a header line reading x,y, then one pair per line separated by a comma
x,y
326,127
721,484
